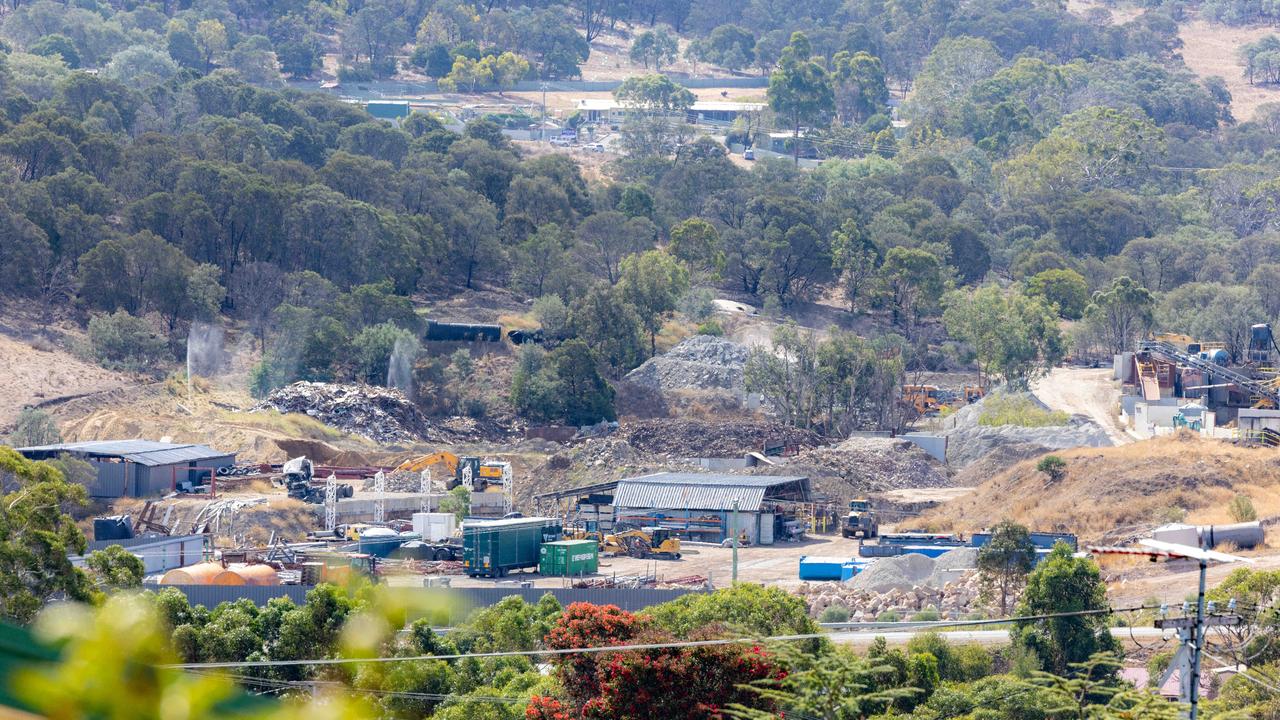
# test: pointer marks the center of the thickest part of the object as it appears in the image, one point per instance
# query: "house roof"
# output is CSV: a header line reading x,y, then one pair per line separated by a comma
x,y
699,491
143,452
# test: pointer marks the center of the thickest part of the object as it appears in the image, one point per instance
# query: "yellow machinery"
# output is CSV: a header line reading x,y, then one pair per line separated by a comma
x,y
924,398
471,472
974,393
643,543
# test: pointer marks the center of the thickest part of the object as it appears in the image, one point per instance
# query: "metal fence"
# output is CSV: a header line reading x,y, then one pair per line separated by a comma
x,y
627,599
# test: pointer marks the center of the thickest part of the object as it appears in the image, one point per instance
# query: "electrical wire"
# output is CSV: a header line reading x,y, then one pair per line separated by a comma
x,y
630,648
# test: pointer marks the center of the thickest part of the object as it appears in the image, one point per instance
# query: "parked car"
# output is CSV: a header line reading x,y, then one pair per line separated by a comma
x,y
749,154
561,142
596,147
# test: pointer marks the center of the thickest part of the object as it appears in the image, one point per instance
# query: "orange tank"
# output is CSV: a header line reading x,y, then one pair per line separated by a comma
x,y
198,574
257,574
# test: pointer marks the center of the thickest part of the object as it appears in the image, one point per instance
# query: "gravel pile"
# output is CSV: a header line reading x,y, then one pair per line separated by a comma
x,y
952,566
700,438
969,442
901,572
701,362
862,465
953,600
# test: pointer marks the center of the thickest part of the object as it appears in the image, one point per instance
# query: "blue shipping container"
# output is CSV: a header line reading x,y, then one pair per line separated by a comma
x,y
824,568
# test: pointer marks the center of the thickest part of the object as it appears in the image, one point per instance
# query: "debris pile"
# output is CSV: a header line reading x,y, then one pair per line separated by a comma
x,y
702,362
862,465
968,441
381,414
953,600
699,438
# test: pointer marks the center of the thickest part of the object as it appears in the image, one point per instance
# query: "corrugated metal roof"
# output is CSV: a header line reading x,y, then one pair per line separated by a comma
x,y
697,491
143,452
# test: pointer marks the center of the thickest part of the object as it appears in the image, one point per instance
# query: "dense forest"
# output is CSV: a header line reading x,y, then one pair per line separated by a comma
x,y
156,174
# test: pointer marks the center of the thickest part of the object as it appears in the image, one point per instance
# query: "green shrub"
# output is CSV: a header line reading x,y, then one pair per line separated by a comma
x,y
929,614
124,342
1053,466
834,614
1018,410
889,616
1241,509
35,427
711,327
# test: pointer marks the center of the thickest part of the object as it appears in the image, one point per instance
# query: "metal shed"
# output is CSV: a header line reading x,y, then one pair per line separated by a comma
x,y
703,502
138,468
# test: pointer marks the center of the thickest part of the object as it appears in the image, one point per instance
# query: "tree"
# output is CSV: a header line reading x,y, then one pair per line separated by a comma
x,y
586,397
833,686
657,46
508,69
34,427
255,290
1005,559
1062,583
914,281
36,537
120,340
211,38
653,282
1065,289
860,89
609,236
655,108
1121,314
116,568
731,47
1015,338
467,73
799,89
1093,148
1053,466
697,244
458,502
610,326
59,45
954,66
857,258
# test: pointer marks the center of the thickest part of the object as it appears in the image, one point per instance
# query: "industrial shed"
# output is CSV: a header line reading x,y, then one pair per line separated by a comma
x,y
158,553
138,468
701,504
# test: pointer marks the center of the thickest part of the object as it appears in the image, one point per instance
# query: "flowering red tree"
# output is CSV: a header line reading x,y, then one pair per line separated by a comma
x,y
692,683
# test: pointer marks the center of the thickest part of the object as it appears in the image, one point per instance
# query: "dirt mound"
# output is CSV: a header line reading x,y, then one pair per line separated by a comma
x,y
863,465
1117,493
383,415
697,438
902,572
701,362
995,461
322,453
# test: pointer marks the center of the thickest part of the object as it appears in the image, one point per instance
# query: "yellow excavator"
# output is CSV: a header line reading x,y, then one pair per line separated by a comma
x,y
644,542
471,472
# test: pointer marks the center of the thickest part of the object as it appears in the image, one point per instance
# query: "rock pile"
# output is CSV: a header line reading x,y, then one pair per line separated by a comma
x,y
381,414
702,362
953,600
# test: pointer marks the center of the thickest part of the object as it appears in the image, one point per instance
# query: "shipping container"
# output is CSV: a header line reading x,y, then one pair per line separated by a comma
x,y
569,557
434,527
828,568
493,548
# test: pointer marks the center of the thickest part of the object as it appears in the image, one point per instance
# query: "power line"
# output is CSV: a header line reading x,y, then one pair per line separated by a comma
x,y
628,648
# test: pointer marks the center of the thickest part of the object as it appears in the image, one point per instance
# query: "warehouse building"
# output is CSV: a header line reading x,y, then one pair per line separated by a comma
x,y
159,553
701,505
138,468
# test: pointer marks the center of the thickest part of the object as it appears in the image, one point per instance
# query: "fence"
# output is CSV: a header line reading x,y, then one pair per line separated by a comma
x,y
627,599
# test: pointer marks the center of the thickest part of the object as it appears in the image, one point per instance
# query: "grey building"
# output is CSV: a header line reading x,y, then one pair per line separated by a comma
x,y
702,504
158,554
138,468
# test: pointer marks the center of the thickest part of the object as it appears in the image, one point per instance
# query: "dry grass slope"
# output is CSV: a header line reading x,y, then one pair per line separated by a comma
x,y
1114,493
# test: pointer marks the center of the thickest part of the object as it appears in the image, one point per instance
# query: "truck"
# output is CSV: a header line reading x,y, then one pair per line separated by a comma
x,y
862,519
297,478
492,548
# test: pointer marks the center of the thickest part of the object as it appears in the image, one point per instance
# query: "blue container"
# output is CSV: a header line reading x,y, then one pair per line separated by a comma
x,y
932,551
1042,540
826,568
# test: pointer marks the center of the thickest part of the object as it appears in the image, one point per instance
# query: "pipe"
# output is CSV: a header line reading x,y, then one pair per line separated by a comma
x,y
1243,535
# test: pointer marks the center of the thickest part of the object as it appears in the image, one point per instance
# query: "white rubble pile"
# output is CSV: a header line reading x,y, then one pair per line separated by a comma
x,y
953,601
702,362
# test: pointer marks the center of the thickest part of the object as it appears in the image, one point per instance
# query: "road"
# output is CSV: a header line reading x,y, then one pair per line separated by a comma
x,y
1085,391
982,637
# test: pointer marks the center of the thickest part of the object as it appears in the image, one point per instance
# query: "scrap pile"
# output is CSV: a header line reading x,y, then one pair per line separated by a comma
x,y
383,415
862,465
698,438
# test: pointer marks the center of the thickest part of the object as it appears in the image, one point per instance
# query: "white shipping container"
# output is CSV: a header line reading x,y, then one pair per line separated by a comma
x,y
434,527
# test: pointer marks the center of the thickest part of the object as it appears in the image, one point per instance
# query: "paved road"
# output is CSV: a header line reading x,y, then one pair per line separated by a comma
x,y
982,637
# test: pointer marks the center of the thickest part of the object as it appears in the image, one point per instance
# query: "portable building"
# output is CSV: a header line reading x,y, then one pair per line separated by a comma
x,y
495,547
569,557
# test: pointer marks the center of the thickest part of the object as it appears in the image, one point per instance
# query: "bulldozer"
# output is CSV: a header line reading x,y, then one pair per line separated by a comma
x,y
642,543
470,472
861,519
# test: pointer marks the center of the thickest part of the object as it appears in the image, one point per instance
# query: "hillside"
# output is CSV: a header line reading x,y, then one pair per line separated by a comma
x,y
1114,494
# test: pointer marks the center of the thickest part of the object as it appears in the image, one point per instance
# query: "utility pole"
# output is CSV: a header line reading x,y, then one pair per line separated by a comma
x,y
542,127
735,540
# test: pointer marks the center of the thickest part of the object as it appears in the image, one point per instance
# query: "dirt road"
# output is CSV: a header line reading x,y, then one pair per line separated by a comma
x,y
1084,391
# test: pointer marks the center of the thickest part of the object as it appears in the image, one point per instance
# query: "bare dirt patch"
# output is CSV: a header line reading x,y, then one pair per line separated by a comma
x,y
43,372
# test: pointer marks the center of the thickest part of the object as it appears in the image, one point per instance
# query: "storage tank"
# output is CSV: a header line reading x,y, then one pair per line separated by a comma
x,y
1217,356
1242,535
198,574
255,574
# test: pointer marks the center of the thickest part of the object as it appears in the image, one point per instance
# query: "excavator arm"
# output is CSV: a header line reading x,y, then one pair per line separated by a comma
x,y
423,462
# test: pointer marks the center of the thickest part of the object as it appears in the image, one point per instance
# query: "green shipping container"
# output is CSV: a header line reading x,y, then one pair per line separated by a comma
x,y
569,557
493,548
